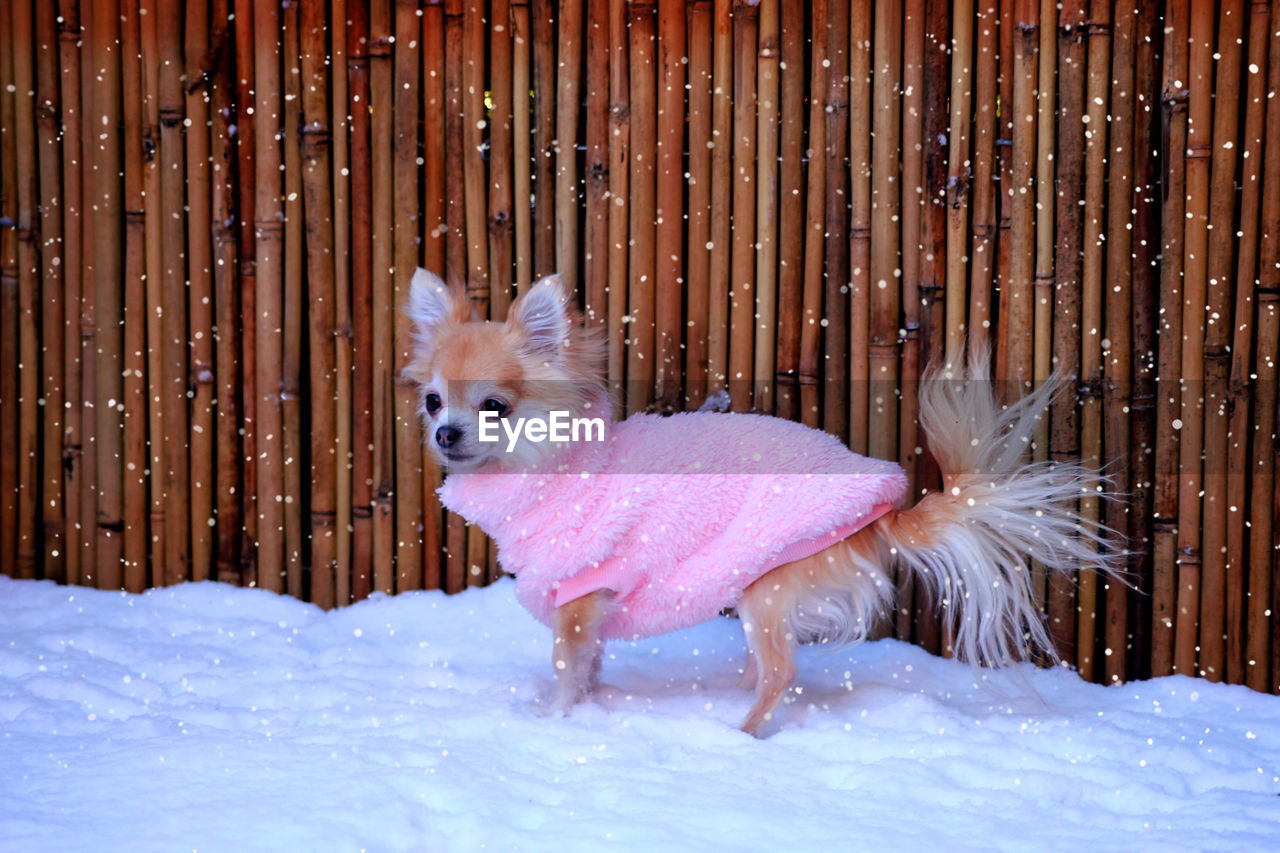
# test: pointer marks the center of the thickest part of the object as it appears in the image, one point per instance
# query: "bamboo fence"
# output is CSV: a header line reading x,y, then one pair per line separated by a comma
x,y
210,212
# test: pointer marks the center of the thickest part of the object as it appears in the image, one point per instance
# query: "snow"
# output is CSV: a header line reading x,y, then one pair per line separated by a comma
x,y
212,718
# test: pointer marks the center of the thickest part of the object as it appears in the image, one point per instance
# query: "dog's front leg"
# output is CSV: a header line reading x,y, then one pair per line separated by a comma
x,y
577,649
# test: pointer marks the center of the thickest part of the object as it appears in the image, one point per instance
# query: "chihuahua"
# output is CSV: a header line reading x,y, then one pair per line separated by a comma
x,y
648,525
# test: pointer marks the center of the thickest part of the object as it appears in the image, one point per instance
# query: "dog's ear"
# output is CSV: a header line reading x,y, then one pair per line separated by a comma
x,y
431,305
542,313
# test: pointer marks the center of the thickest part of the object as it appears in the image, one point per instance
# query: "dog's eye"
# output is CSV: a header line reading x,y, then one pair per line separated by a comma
x,y
432,403
493,404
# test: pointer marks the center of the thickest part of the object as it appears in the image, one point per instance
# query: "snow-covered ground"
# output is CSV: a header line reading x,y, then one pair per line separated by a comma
x,y
206,717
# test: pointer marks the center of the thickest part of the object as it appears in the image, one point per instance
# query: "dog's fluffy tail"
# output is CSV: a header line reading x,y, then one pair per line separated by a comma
x,y
971,542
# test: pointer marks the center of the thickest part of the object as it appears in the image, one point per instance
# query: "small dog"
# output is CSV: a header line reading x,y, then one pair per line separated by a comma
x,y
656,523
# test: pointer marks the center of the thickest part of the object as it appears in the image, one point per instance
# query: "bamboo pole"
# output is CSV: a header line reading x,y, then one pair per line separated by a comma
x,y
880,353
362,494
10,321
455,202
642,261
698,253
884,292
1064,440
200,289
619,192
1118,349
1146,289
913,200
381,344
768,88
815,225
742,271
69,448
90,569
862,113
835,390
1043,288
318,210
721,198
1165,571
344,467
669,280
984,203
108,268
53,205
434,230
410,518
294,316
1194,282
958,175
135,502
933,230
544,130
1092,272
228,484
1042,358
500,155
171,332
149,61
1217,343
247,268
1260,620
568,104
456,261
790,212
1017,320
28,282
936,138
455,573
473,120
523,157
1004,174
1259,652
1248,314
268,211
477,556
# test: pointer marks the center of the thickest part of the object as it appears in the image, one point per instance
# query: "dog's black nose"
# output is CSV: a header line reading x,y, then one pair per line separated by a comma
x,y
447,435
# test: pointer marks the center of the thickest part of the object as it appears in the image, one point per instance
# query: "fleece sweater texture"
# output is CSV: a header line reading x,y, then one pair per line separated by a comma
x,y
677,515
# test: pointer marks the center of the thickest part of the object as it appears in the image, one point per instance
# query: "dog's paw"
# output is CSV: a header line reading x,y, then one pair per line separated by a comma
x,y
557,704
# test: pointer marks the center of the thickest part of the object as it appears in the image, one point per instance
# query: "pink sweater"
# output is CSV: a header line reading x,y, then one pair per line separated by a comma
x,y
677,515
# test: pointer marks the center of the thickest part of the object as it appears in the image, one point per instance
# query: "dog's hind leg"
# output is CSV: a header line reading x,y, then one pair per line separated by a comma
x,y
766,621
578,647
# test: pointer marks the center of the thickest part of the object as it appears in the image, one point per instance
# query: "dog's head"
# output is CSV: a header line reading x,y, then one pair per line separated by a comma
x,y
537,362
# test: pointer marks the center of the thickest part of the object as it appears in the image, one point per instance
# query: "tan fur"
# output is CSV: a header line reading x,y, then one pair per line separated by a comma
x,y
576,653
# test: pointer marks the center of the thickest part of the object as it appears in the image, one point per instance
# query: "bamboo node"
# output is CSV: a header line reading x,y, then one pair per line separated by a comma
x,y
70,453
1089,388
170,117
